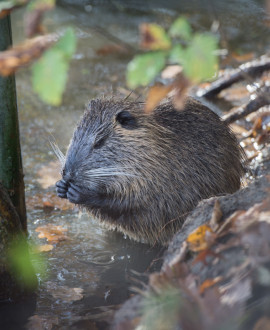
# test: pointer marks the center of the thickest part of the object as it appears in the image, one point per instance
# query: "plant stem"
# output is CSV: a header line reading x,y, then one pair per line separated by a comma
x,y
11,173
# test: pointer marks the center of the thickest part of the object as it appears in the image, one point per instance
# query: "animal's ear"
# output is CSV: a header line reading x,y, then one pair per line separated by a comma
x,y
126,120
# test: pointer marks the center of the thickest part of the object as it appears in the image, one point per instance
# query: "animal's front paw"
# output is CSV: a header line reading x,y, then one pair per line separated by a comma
x,y
76,194
62,188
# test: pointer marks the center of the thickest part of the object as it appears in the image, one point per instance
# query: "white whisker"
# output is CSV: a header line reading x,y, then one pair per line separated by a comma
x,y
59,154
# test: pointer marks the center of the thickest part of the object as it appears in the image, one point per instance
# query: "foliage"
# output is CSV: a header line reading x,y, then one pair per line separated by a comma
x,y
24,262
53,51
49,73
195,52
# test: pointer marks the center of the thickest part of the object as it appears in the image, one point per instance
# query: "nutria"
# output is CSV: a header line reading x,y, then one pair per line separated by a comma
x,y
143,173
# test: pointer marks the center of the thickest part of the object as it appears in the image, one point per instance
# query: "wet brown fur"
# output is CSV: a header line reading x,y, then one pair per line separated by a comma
x,y
162,165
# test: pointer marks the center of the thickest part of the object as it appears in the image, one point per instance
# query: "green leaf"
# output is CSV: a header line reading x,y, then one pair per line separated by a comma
x,y
67,44
49,74
144,68
176,54
19,262
199,59
180,28
154,37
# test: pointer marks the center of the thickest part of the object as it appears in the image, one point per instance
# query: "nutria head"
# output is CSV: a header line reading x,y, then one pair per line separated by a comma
x,y
143,173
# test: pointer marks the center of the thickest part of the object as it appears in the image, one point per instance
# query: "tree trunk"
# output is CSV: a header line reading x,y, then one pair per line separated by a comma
x,y
11,173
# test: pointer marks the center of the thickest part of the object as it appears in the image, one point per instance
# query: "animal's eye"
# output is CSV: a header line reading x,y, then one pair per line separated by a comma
x,y
126,119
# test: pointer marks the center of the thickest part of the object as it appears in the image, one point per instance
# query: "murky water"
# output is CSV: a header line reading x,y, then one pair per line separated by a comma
x,y
99,262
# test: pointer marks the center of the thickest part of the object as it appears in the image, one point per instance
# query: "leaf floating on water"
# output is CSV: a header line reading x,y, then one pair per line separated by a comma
x,y
64,293
49,174
52,233
45,248
48,201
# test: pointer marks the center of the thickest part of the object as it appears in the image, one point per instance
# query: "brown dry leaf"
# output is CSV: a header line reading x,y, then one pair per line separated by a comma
x,y
52,233
49,174
202,256
263,138
112,49
34,17
48,201
216,216
14,58
64,293
153,37
201,238
155,95
44,248
262,324
181,86
209,283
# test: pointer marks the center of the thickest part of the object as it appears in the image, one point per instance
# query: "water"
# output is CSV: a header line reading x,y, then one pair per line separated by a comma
x,y
98,262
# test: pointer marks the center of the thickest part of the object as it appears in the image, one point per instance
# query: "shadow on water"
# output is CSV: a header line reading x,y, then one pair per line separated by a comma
x,y
104,265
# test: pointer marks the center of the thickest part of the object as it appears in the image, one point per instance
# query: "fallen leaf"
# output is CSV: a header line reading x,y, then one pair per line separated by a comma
x,y
64,293
48,201
45,248
216,216
49,174
112,49
201,238
209,283
52,233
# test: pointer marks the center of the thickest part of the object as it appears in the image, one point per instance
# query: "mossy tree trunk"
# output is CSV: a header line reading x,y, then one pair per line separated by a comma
x,y
11,173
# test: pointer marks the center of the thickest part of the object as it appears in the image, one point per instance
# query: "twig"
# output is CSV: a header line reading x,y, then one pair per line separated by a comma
x,y
245,71
261,100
